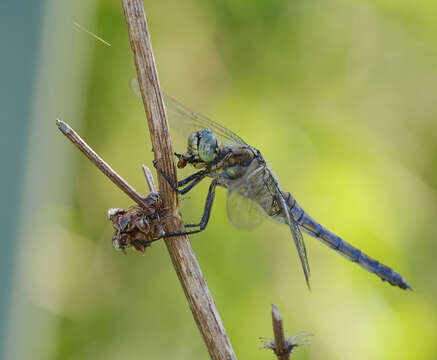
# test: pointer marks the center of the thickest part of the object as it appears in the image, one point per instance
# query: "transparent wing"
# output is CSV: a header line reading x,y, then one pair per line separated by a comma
x,y
259,185
185,121
301,249
243,212
297,235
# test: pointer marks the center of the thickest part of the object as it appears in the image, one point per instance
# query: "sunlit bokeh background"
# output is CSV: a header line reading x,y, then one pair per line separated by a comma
x,y
341,98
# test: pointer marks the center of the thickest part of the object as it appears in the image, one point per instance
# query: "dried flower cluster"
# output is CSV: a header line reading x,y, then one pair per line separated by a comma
x,y
138,226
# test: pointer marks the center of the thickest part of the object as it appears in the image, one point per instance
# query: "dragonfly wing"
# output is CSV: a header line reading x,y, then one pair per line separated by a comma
x,y
297,235
185,121
259,185
301,249
245,204
243,212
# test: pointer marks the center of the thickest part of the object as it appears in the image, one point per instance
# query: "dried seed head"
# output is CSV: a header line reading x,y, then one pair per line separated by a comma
x,y
116,243
143,225
112,212
137,226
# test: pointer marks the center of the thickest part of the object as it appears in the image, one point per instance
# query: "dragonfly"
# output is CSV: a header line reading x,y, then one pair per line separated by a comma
x,y
253,191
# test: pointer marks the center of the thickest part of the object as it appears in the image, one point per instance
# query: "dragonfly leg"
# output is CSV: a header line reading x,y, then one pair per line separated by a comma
x,y
194,179
190,186
206,213
190,178
208,206
146,243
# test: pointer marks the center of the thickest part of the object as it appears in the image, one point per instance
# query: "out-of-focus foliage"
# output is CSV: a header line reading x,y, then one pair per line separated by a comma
x,y
340,97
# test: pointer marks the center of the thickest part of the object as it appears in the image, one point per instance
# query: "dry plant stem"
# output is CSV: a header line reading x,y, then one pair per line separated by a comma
x,y
99,162
281,349
149,179
184,261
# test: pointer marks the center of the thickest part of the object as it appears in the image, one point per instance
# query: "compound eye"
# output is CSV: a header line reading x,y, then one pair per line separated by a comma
x,y
207,146
192,143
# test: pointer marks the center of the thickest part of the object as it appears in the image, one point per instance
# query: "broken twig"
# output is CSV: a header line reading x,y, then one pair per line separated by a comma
x,y
100,163
281,346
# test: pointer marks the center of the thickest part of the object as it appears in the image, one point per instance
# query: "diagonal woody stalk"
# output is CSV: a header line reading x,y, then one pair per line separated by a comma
x,y
184,261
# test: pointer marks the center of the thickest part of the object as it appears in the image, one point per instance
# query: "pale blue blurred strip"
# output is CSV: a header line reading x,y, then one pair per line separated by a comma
x,y
19,38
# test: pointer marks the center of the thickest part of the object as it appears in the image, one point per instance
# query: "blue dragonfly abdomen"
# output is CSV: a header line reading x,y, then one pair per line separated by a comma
x,y
313,228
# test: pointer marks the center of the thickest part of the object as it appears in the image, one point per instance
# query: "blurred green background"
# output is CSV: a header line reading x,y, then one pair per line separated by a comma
x,y
339,96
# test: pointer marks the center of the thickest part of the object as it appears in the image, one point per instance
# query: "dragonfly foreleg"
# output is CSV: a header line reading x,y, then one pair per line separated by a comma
x,y
190,178
194,179
194,182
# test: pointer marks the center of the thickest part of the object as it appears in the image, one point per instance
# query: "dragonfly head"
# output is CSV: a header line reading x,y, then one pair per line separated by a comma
x,y
202,148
